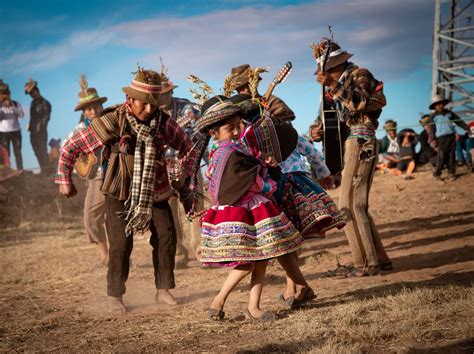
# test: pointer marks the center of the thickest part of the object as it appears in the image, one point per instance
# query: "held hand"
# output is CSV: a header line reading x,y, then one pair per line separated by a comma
x,y
270,161
326,79
68,190
327,183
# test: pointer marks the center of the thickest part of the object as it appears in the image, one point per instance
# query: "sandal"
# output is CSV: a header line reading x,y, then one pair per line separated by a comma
x,y
215,314
307,295
264,317
363,272
287,302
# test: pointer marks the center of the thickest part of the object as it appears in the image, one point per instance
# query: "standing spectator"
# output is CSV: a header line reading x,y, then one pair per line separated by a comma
x,y
40,113
443,136
426,153
10,130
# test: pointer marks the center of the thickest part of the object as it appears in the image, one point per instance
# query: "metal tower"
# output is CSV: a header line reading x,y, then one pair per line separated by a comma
x,y
453,54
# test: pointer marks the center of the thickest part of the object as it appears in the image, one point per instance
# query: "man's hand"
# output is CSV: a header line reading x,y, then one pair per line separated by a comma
x,y
67,190
326,79
327,183
316,134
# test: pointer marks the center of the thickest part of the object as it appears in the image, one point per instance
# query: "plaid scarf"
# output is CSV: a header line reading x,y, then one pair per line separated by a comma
x,y
139,205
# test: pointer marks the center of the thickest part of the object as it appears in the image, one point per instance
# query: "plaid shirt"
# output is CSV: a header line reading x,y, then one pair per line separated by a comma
x,y
169,134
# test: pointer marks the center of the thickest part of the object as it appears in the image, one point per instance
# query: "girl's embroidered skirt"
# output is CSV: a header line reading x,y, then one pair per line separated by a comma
x,y
250,231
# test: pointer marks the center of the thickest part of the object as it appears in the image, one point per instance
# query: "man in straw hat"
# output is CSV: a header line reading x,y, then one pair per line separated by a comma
x,y
136,185
359,100
443,136
10,130
239,81
427,153
40,113
91,105
389,150
185,114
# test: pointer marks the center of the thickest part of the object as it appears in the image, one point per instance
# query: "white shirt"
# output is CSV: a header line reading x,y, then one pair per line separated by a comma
x,y
9,117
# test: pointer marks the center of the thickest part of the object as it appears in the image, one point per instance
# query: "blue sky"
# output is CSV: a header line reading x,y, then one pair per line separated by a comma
x,y
55,41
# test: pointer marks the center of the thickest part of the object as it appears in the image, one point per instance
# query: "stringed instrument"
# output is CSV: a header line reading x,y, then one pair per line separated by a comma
x,y
86,165
280,77
333,128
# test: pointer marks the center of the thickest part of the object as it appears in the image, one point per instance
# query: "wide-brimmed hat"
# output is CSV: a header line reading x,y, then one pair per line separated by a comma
x,y
239,76
214,110
30,85
390,124
4,87
167,86
145,86
88,95
336,57
248,107
438,99
425,120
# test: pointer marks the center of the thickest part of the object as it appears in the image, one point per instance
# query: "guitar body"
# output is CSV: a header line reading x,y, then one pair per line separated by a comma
x,y
86,165
332,141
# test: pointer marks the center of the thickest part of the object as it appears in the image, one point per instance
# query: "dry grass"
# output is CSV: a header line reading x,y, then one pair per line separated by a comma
x,y
51,299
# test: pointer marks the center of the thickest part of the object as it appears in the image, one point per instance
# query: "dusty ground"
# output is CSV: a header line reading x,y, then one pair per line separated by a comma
x,y
51,300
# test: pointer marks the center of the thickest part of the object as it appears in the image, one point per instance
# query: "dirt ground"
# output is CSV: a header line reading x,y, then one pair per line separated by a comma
x,y
51,298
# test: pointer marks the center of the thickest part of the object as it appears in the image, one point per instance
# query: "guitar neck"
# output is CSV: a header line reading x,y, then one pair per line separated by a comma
x,y
269,91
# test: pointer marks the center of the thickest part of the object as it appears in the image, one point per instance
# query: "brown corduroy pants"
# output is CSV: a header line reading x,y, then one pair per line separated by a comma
x,y
357,175
94,212
162,239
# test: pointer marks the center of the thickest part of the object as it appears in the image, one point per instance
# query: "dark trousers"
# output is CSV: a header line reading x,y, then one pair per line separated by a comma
x,y
162,239
446,154
15,139
39,142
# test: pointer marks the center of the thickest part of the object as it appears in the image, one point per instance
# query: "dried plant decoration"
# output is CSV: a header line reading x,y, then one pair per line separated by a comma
x,y
228,85
254,78
83,83
163,71
201,93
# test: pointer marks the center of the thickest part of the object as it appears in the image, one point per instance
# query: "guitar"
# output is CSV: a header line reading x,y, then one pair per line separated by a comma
x,y
333,141
86,165
280,77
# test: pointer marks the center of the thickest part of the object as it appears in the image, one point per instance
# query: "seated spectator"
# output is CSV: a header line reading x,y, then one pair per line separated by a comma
x,y
389,149
407,141
427,153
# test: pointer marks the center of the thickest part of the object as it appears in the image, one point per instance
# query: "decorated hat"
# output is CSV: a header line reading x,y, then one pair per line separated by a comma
x,y
4,87
30,85
438,99
390,124
214,110
425,120
240,76
166,84
336,57
145,86
88,95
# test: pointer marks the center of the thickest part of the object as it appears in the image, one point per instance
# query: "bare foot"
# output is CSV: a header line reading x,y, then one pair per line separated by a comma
x,y
164,296
104,252
115,305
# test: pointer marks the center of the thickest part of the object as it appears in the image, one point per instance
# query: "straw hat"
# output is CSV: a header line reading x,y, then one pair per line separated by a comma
x,y
239,76
145,86
88,95
438,99
336,57
214,110
30,85
425,120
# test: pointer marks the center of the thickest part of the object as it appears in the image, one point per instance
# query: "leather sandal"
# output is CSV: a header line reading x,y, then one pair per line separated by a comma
x,y
307,295
264,317
215,314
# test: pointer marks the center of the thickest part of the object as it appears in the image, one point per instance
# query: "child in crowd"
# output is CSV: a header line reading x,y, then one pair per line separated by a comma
x,y
243,228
